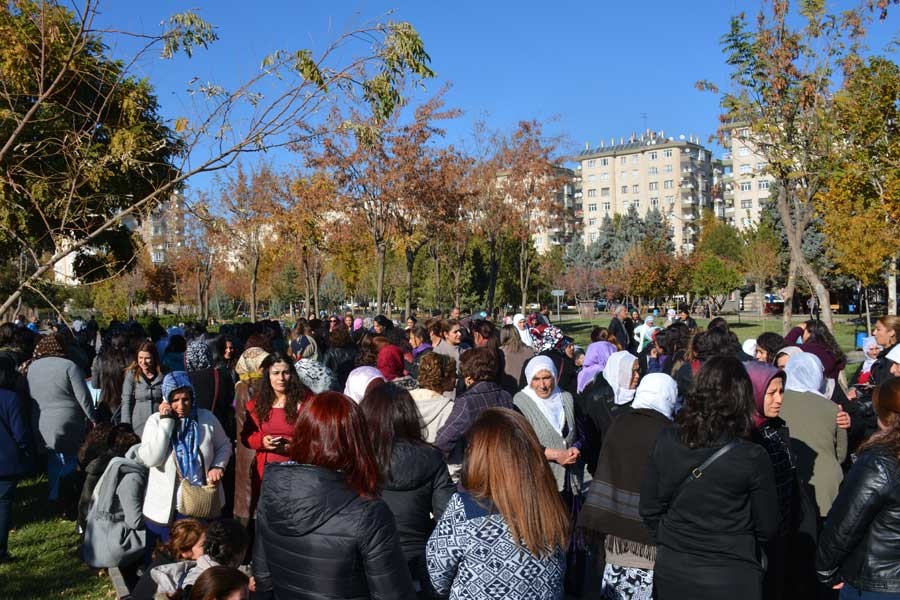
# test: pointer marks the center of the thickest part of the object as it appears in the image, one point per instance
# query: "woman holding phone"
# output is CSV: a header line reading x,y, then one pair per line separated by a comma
x,y
271,414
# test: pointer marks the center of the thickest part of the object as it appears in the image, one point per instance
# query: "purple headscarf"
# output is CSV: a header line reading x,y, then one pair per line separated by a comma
x,y
761,374
357,323
595,358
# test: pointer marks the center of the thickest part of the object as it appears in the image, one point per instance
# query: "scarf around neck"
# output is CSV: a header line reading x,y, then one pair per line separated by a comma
x,y
186,444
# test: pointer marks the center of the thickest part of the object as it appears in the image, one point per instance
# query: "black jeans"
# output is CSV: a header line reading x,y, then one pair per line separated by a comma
x,y
7,489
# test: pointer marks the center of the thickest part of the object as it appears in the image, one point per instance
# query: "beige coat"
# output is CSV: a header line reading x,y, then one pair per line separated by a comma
x,y
819,446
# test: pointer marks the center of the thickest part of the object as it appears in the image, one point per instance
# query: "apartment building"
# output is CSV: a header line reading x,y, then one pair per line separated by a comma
x,y
163,229
566,222
745,181
647,171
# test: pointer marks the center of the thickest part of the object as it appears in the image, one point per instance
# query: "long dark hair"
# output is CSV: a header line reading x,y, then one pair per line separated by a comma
x,y
296,392
719,406
391,415
818,332
150,348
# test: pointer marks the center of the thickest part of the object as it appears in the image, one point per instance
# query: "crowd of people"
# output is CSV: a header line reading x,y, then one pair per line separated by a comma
x,y
454,457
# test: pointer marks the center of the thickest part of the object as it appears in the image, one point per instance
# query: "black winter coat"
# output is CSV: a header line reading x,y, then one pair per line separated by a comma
x,y
708,535
419,486
859,543
595,409
316,538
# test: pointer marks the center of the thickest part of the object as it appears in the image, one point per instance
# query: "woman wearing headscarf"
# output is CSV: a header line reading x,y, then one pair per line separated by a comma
x,y
610,511
521,326
315,376
249,371
771,432
180,443
785,354
591,401
271,414
213,387
871,349
515,354
390,363
551,412
63,408
819,445
643,333
359,380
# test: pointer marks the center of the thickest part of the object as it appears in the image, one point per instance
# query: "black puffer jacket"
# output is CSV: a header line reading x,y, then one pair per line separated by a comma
x,y
341,360
862,533
317,538
419,486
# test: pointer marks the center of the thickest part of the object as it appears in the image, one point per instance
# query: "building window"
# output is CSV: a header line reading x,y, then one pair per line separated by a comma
x,y
747,203
667,153
746,186
653,155
668,184
653,186
591,178
746,169
635,173
606,206
592,193
743,133
159,256
635,189
158,228
635,159
623,160
593,236
654,202
670,200
637,203
624,189
760,165
592,207
745,151
623,173
764,184
592,222
590,164
604,176
604,192
604,162
652,171
667,169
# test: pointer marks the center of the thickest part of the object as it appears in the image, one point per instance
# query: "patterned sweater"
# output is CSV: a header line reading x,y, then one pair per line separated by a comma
x,y
471,555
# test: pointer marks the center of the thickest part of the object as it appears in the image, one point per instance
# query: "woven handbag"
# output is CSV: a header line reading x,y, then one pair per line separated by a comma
x,y
199,501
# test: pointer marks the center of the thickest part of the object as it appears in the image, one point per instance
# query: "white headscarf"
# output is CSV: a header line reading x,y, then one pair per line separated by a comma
x,y
358,380
805,373
657,391
617,373
552,407
868,344
749,347
523,333
791,351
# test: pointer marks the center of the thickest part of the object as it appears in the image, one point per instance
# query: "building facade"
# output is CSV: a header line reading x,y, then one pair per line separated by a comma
x,y
566,220
163,229
647,171
745,181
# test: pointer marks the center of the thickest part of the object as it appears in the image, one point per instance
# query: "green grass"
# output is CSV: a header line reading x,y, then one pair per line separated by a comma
x,y
845,332
46,551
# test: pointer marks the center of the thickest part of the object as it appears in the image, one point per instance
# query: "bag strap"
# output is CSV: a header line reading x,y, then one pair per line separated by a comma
x,y
697,472
215,397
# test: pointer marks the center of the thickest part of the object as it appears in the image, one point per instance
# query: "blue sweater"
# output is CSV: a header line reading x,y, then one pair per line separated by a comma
x,y
471,555
15,437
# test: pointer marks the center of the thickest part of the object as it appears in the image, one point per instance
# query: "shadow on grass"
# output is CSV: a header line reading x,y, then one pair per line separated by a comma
x,y
46,551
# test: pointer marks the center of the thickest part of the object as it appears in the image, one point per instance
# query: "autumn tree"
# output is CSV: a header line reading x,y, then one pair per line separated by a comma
x,y
781,95
760,258
713,279
860,202
82,147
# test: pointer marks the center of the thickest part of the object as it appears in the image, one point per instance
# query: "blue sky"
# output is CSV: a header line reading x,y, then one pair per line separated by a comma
x,y
593,69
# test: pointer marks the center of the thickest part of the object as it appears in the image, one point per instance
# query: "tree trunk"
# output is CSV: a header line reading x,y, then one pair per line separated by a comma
x,y
868,313
892,287
316,282
306,294
788,298
436,257
410,263
253,274
523,273
494,267
380,253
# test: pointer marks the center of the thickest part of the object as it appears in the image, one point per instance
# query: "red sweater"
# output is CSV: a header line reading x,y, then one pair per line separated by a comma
x,y
252,437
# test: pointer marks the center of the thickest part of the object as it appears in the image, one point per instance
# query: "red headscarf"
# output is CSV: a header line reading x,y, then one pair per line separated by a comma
x,y
390,362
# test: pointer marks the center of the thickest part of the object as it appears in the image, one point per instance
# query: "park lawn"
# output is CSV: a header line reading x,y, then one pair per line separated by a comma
x,y
45,547
845,332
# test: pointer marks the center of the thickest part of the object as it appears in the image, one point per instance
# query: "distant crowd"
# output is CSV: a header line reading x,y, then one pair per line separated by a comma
x,y
358,457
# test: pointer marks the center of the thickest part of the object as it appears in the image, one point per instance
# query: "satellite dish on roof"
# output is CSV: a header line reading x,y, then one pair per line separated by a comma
x,y
681,137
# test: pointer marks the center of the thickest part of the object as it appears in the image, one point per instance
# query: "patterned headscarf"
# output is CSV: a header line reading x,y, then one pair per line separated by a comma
x,y
551,337
50,345
249,365
198,356
314,375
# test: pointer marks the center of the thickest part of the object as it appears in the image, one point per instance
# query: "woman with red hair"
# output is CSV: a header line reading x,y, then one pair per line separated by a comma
x,y
321,530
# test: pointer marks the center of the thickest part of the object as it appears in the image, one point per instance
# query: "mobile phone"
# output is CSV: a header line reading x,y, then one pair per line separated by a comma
x,y
279,441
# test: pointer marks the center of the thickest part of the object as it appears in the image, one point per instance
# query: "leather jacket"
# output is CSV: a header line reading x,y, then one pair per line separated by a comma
x,y
859,542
